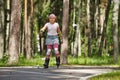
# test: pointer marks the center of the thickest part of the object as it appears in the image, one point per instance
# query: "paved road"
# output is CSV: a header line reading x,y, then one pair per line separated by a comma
x,y
63,73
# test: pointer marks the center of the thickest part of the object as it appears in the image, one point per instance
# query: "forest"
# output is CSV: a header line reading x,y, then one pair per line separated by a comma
x,y
89,28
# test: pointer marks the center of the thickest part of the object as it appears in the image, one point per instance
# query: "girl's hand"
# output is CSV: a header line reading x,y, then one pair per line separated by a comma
x,y
42,30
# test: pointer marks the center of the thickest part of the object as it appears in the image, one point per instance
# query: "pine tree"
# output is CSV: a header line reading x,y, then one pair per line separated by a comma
x,y
64,46
15,32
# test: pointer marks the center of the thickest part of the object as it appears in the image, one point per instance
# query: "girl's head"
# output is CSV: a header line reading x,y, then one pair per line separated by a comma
x,y
52,18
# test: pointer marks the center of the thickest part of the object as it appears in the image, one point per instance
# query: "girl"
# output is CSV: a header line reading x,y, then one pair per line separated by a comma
x,y
52,40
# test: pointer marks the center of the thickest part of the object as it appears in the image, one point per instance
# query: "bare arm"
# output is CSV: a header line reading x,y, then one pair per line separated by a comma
x,y
43,29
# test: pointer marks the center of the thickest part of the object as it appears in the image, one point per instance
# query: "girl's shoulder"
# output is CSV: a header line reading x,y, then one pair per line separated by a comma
x,y
56,23
46,24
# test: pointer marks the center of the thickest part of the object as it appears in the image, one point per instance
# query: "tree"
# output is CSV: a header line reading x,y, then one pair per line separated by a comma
x,y
1,28
64,46
15,32
7,24
107,6
89,27
97,2
115,30
28,20
77,42
73,50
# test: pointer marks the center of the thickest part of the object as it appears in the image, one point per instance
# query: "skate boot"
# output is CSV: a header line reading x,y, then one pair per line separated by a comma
x,y
46,64
57,62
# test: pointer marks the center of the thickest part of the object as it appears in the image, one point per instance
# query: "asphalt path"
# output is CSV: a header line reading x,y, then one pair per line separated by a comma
x,y
52,73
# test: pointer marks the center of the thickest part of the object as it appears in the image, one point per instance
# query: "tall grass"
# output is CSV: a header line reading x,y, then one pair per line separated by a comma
x,y
35,61
39,61
104,60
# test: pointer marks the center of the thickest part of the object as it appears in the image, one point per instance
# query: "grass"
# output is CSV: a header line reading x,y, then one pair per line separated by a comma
x,y
35,61
104,60
39,60
93,61
115,75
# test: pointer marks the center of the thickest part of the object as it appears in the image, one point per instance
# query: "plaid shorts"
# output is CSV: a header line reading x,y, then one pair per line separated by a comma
x,y
52,39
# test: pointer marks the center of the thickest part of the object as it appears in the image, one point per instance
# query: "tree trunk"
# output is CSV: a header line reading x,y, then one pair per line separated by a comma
x,y
27,19
64,46
1,28
115,30
104,28
96,24
7,25
25,26
15,32
78,27
101,23
77,43
32,27
89,27
73,44
96,18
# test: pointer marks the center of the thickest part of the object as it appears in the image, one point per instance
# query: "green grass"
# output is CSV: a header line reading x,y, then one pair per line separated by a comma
x,y
93,61
104,60
35,61
115,75
38,61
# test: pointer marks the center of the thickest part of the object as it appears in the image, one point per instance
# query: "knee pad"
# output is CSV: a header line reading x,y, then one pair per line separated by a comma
x,y
48,51
56,50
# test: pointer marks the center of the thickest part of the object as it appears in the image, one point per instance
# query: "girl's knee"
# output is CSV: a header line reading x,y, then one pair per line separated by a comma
x,y
48,51
56,50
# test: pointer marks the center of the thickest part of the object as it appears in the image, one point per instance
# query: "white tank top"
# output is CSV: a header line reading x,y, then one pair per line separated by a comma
x,y
52,28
